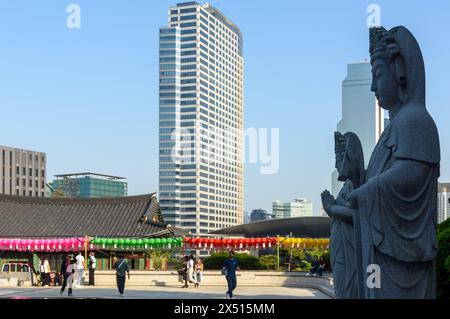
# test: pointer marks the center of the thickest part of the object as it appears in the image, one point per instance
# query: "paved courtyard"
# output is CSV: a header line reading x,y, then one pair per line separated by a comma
x,y
165,293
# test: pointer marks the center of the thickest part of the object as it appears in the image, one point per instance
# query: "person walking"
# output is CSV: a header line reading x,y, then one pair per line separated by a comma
x,y
184,271
92,266
80,269
42,274
67,271
199,272
121,266
191,273
231,265
47,271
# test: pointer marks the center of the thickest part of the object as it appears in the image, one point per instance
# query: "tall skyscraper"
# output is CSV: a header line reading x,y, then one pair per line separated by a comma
x,y
201,119
23,172
443,202
300,207
360,112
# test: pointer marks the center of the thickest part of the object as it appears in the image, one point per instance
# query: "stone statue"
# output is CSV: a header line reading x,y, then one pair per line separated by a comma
x,y
397,205
350,166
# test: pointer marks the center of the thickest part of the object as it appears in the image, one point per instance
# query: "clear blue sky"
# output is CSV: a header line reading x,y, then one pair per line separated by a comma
x,y
88,97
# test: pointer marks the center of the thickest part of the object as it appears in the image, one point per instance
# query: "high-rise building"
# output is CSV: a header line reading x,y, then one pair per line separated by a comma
x,y
89,185
259,214
300,207
201,119
360,112
23,172
443,202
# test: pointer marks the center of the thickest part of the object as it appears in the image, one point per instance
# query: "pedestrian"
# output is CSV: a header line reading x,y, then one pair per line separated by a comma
x,y
80,269
92,266
47,271
121,266
199,272
184,271
67,271
42,274
191,273
230,266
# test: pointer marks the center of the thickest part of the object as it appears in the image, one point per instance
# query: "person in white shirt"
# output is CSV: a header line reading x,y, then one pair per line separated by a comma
x,y
79,269
92,266
67,271
190,268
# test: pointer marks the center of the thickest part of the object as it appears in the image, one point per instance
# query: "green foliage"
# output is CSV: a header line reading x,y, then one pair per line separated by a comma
x,y
443,260
246,261
268,262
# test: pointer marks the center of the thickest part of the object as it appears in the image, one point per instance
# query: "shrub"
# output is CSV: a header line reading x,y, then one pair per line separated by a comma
x,y
216,260
268,262
443,260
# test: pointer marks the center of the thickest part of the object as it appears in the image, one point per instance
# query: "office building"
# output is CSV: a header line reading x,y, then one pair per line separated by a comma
x,y
258,215
201,119
443,201
300,207
360,112
89,185
23,172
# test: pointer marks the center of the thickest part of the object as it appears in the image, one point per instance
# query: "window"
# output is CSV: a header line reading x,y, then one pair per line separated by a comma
x,y
188,24
190,31
190,17
24,171
188,10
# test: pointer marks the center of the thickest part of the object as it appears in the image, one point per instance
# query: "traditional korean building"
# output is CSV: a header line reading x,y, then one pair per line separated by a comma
x,y
32,228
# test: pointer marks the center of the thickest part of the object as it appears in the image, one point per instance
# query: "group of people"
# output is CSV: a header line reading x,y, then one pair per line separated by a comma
x,y
72,271
317,266
192,272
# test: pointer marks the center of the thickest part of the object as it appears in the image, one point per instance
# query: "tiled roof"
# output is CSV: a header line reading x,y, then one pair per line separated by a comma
x,y
69,217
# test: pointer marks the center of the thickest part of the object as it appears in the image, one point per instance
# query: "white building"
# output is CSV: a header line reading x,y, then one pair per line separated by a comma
x,y
201,119
360,112
23,172
443,202
300,207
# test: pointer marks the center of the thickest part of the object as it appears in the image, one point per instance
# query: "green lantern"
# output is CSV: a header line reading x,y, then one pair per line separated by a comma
x,y
109,241
157,241
146,241
115,241
121,241
151,241
133,242
103,241
127,241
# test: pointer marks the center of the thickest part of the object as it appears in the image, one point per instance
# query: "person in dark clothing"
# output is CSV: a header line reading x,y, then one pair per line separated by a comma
x,y
314,266
92,266
184,271
231,265
67,271
322,265
121,266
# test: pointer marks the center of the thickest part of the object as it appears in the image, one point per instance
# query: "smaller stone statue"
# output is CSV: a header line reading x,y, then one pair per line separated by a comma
x,y
344,247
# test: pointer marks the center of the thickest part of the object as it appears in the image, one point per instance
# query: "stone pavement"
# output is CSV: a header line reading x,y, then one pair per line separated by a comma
x,y
165,293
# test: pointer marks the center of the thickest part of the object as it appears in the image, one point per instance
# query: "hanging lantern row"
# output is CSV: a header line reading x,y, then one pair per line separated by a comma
x,y
137,243
228,243
302,243
44,245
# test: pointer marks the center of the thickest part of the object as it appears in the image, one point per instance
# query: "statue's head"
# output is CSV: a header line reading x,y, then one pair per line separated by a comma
x,y
388,73
349,155
398,74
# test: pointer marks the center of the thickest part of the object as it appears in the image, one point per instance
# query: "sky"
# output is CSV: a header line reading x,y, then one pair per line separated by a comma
x,y
88,97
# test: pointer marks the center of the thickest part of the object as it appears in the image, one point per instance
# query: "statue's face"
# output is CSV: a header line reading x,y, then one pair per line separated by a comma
x,y
384,83
339,157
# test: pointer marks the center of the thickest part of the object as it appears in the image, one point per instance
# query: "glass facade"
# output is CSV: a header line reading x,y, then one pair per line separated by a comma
x,y
200,120
90,187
